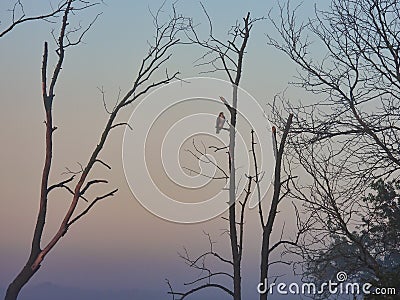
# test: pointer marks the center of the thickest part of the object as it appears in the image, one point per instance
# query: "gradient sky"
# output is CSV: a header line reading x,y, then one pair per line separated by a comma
x,y
119,245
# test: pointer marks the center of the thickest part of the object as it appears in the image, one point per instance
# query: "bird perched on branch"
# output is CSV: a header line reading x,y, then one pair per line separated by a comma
x,y
220,122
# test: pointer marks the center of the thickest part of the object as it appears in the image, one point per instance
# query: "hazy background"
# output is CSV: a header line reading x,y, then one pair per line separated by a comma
x,y
119,247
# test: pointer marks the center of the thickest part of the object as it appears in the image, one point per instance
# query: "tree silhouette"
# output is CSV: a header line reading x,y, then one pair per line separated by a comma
x,y
159,52
228,58
347,141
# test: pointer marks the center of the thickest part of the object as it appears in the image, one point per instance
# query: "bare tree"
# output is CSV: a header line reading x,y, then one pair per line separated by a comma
x,y
226,57
351,232
280,191
358,78
18,15
165,39
349,138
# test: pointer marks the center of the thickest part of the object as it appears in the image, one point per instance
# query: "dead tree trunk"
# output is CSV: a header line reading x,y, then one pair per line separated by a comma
x,y
30,268
236,258
267,228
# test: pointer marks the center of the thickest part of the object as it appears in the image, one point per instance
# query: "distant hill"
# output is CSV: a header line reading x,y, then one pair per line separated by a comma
x,y
50,291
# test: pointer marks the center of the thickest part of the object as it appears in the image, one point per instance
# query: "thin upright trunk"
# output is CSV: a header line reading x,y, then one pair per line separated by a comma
x,y
267,229
232,200
30,269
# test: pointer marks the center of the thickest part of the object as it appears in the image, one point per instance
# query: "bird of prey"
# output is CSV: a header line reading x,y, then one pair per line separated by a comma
x,y
219,124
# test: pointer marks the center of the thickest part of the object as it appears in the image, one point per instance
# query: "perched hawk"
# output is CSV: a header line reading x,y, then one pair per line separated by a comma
x,y
220,122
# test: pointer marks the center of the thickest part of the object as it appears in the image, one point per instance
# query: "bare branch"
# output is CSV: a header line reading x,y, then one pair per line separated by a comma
x,y
122,124
23,18
103,163
60,184
90,183
204,286
110,194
